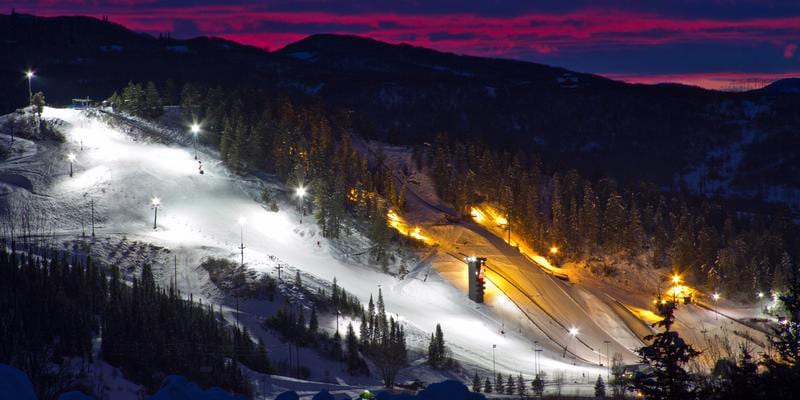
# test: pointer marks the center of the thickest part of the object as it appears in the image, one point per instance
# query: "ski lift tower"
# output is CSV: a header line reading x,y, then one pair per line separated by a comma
x,y
476,276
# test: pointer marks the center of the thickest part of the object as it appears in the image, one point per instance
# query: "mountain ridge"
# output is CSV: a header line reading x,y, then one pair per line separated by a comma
x,y
402,94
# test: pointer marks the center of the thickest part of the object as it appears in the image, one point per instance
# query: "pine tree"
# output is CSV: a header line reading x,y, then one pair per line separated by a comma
x,y
363,331
313,322
590,219
510,385
38,105
521,386
153,107
666,356
116,102
476,382
537,386
436,349
599,388
487,386
353,359
785,336
615,222
190,102
498,383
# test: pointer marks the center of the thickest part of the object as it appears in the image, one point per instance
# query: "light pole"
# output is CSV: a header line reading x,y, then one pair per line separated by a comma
x,y
535,358
155,203
608,361
715,296
29,74
195,130
241,233
71,157
574,333
92,203
300,192
494,373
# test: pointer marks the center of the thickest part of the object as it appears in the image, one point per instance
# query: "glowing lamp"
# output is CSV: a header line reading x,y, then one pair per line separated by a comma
x,y
573,331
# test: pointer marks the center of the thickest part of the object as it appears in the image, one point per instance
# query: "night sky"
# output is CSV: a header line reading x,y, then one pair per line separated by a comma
x,y
708,43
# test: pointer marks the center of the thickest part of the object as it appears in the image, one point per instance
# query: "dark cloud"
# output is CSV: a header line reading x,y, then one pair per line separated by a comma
x,y
185,28
441,35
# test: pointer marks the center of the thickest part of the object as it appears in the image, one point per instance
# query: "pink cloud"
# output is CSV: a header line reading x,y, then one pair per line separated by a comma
x,y
734,81
542,33
789,50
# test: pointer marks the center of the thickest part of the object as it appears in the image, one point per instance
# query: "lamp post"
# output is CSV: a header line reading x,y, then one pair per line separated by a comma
x,y
715,296
300,192
155,203
608,361
92,205
494,373
574,333
195,130
241,233
29,74
71,157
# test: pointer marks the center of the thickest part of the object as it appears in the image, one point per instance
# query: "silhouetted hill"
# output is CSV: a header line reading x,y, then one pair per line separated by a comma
x,y
787,85
82,56
680,137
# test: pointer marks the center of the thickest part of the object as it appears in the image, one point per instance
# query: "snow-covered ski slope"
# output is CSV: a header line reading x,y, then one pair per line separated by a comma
x,y
608,320
199,213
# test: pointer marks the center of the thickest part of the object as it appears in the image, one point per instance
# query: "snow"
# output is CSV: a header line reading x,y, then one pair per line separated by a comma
x,y
74,396
199,213
122,169
14,384
178,388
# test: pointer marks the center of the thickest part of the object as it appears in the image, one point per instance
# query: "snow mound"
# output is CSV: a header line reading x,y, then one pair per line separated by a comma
x,y
14,384
74,396
179,388
448,390
290,395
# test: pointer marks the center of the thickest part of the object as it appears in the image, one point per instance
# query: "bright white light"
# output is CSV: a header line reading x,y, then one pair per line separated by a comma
x,y
195,128
71,157
156,202
715,296
573,331
300,192
760,295
241,220
29,74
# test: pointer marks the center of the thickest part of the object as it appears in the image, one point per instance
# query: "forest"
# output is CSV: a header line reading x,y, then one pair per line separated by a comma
x,y
740,247
55,306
